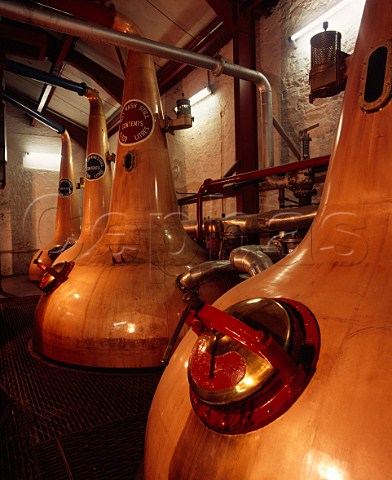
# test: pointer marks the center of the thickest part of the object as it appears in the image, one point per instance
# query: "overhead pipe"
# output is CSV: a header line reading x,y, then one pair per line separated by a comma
x,y
57,127
20,69
71,26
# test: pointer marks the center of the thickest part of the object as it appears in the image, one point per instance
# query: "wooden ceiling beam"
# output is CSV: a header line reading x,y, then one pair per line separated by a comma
x,y
77,132
112,84
56,69
209,41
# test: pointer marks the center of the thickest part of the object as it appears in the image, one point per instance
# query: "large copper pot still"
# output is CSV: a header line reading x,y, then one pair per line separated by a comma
x,y
67,227
119,305
338,281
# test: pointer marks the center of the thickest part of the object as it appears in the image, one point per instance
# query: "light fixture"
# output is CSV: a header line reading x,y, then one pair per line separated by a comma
x,y
197,97
185,104
319,20
42,161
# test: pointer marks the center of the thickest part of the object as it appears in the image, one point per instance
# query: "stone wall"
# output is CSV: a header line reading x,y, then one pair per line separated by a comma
x,y
287,66
207,150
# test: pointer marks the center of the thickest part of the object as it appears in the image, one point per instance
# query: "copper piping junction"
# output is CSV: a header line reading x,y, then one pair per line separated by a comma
x,y
216,186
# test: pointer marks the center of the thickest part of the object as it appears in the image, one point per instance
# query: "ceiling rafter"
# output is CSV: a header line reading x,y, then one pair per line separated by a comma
x,y
77,132
57,67
112,84
209,41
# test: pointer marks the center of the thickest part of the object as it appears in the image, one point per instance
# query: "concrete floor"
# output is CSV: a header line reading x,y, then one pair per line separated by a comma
x,y
18,286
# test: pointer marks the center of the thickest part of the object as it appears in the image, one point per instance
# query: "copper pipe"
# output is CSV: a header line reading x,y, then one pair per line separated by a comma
x,y
216,186
193,277
271,221
248,259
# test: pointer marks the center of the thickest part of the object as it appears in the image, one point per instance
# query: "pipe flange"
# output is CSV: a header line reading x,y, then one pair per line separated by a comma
x,y
219,69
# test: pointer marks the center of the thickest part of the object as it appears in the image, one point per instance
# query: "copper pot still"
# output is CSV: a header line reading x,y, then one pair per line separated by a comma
x,y
98,182
204,425
67,228
119,306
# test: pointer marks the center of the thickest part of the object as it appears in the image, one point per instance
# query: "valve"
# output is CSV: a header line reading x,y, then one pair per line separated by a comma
x,y
305,140
251,362
54,276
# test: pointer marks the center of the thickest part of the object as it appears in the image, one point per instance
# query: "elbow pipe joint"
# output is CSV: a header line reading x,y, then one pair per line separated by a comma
x,y
248,259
